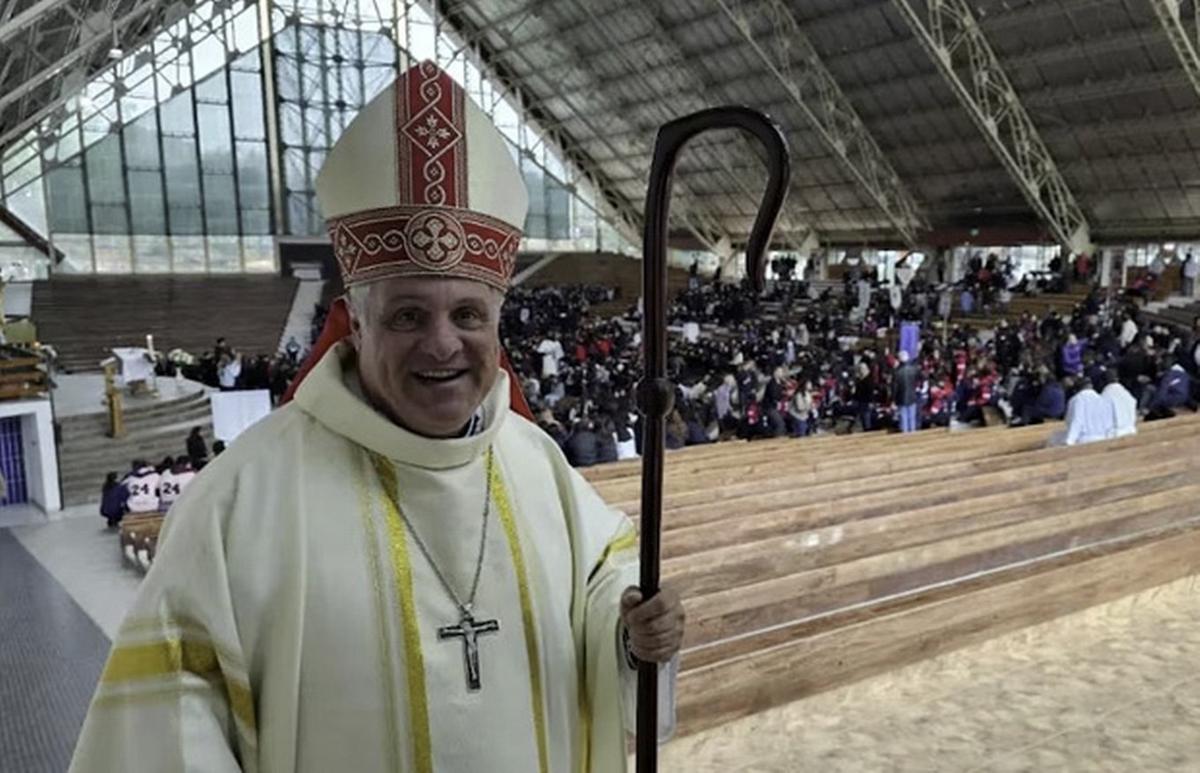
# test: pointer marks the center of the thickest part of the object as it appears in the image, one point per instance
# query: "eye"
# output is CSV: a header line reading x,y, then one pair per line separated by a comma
x,y
405,319
469,316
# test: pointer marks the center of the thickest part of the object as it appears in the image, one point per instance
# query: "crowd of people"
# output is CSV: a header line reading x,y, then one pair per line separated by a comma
x,y
797,361
228,369
148,488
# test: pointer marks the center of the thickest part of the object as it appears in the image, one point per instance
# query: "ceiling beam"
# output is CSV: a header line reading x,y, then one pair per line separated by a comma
x,y
949,33
697,83
794,62
79,52
27,17
1170,18
687,84
621,210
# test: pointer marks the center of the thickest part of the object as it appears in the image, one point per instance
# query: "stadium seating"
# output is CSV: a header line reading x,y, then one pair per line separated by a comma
x,y
806,564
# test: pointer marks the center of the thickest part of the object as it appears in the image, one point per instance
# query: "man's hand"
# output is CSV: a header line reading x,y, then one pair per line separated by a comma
x,y
655,626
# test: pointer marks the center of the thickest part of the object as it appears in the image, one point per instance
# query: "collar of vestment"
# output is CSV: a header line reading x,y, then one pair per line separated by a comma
x,y
329,396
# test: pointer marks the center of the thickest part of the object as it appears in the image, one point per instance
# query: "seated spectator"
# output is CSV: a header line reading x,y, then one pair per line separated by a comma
x,y
142,486
1122,404
676,431
113,497
1089,417
1072,356
552,427
606,442
174,481
1174,391
724,399
197,451
582,446
800,409
1051,402
623,435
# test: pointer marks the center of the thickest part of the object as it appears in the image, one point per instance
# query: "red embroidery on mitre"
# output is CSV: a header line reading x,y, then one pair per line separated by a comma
x,y
431,144
424,241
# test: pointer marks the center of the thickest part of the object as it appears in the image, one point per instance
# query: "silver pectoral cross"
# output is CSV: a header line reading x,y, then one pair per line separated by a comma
x,y
468,630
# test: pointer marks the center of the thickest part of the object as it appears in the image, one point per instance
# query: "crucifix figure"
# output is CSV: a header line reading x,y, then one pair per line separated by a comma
x,y
468,630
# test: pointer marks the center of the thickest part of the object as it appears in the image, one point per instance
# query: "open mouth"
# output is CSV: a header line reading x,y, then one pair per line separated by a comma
x,y
440,376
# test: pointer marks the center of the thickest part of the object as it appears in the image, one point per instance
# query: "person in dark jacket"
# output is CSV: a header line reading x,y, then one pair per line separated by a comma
x,y
1051,402
1136,368
582,446
606,441
905,385
112,500
197,451
1174,391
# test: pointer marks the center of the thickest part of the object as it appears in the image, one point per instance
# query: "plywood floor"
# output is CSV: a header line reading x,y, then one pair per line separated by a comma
x,y
1114,688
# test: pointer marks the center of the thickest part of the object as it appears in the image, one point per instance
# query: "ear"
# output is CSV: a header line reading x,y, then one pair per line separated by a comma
x,y
355,336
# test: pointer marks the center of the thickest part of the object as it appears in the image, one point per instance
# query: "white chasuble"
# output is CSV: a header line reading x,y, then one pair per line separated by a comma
x,y
291,622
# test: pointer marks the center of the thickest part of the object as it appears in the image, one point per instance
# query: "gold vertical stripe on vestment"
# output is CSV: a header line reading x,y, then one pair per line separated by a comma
x,y
527,619
414,662
374,567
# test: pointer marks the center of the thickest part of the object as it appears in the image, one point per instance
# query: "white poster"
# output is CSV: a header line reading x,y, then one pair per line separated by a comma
x,y
233,412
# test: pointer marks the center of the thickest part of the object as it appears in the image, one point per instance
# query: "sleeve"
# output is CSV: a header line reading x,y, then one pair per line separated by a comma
x,y
175,693
668,675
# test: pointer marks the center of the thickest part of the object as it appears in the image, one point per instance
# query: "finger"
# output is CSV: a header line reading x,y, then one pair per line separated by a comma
x,y
655,627
630,599
649,640
657,638
656,654
660,605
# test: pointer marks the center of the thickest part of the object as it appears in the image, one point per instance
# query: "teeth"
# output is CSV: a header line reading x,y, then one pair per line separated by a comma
x,y
437,373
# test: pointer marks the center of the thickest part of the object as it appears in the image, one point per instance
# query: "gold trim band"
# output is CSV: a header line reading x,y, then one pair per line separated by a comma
x,y
414,661
371,540
175,656
527,618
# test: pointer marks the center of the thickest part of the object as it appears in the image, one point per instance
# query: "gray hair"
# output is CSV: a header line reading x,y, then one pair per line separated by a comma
x,y
356,298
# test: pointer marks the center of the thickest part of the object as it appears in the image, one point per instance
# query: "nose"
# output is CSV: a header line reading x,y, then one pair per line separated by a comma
x,y
441,341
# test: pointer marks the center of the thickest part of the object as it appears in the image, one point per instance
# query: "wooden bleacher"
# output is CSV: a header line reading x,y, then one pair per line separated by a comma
x,y
138,538
85,317
808,564
1179,316
608,270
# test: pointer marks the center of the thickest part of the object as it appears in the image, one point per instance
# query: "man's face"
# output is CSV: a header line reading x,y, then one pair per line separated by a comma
x,y
428,350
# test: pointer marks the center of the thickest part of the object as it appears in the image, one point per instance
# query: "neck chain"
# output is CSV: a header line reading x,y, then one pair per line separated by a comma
x,y
466,607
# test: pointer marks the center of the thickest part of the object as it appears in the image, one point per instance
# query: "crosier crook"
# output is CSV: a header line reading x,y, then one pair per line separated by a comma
x,y
656,395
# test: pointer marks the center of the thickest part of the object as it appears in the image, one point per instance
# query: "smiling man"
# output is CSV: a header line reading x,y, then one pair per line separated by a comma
x,y
394,572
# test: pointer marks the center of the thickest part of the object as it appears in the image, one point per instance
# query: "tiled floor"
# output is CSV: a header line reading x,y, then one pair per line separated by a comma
x,y
21,515
83,556
1115,688
51,654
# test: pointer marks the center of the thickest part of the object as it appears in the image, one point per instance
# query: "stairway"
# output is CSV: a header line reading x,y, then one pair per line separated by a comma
x,y
86,453
85,317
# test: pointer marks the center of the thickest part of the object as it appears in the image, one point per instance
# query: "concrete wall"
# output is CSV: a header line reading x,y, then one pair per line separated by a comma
x,y
37,447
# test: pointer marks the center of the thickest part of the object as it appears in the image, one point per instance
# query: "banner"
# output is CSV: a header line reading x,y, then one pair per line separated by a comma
x,y
234,412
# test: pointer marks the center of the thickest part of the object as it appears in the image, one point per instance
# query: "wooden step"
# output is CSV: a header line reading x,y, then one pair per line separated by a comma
x,y
863,641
